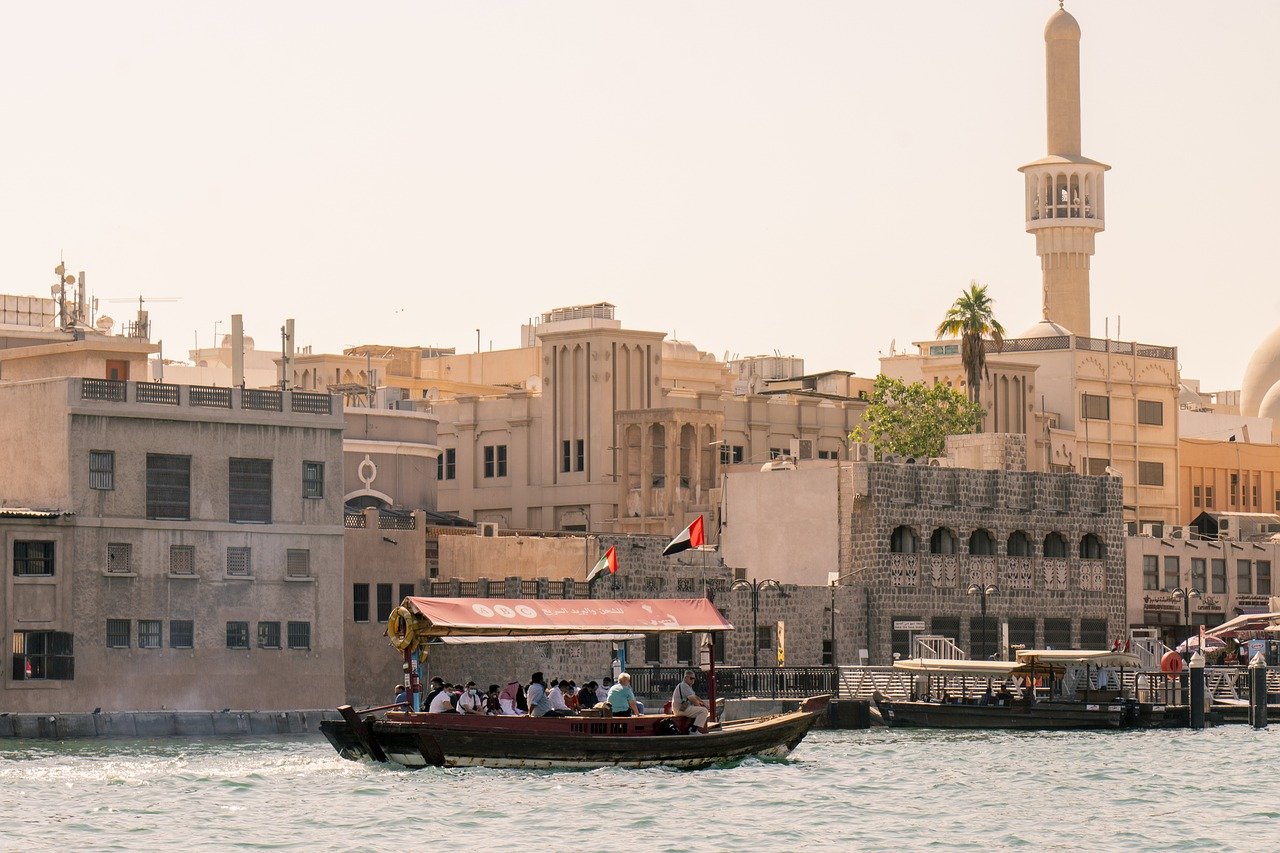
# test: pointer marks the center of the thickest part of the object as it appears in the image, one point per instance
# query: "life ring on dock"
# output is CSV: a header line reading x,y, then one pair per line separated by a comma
x,y
1171,663
401,629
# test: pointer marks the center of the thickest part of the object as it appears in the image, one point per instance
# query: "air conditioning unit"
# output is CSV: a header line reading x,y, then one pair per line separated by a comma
x,y
862,452
891,457
1183,532
487,528
1147,530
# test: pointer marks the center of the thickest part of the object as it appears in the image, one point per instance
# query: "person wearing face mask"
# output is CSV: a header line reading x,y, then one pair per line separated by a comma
x,y
470,702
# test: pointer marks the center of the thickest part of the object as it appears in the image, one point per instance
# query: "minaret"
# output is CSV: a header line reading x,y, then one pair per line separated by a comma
x,y
1064,198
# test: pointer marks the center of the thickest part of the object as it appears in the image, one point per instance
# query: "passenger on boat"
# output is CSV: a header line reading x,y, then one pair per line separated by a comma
x,y
587,696
492,706
507,698
437,685
621,700
402,698
685,703
470,702
442,701
555,695
602,691
570,695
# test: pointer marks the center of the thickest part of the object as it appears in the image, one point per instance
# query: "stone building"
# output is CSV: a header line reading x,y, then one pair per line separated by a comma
x,y
191,553
914,537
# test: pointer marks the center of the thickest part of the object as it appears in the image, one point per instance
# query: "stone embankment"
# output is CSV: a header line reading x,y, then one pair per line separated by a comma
x,y
154,724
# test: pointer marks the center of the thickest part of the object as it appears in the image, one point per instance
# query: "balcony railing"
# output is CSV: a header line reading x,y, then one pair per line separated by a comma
x,y
202,396
210,397
262,401
156,392
110,390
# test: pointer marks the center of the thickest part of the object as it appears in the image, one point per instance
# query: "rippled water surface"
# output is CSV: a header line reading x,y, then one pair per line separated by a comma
x,y
870,790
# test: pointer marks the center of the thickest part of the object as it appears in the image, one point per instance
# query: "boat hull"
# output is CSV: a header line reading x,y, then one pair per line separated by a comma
x,y
1040,715
444,740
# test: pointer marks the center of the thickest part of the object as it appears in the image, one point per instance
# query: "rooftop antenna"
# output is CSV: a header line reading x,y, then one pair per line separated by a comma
x,y
142,328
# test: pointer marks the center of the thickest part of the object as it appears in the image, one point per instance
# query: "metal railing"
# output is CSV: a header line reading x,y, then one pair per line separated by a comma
x,y
262,401
156,392
209,396
353,520
110,390
311,403
735,682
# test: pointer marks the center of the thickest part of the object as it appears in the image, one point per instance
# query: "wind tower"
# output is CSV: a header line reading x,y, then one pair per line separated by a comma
x,y
1064,197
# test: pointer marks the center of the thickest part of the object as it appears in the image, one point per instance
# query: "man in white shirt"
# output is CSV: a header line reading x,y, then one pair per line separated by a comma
x,y
470,702
556,695
685,703
441,703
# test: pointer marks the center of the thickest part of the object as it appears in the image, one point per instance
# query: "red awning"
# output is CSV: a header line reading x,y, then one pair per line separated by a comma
x,y
529,617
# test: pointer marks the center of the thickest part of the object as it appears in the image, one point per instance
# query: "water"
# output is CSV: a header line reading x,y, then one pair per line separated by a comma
x,y
867,790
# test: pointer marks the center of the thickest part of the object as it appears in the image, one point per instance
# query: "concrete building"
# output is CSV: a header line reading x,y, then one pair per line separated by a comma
x,y
1226,476
594,427
191,554
915,537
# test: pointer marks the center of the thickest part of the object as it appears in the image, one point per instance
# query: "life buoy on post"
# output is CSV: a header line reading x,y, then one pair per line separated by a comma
x,y
401,629
1171,663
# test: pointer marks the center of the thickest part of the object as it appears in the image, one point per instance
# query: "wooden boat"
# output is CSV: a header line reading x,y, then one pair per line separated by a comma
x,y
1047,693
415,739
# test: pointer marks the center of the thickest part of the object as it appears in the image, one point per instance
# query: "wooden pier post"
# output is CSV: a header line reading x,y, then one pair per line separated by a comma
x,y
1195,674
1258,692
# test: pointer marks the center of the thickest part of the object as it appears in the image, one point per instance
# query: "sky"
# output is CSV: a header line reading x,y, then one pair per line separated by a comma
x,y
816,178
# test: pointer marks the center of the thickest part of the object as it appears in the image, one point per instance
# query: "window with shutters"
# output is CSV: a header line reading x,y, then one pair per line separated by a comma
x,y
1095,408
182,559
118,633
360,602
298,562
237,635
168,487
150,633
119,557
300,635
1151,412
1151,473
182,634
239,561
102,470
32,558
313,479
268,635
385,604
249,491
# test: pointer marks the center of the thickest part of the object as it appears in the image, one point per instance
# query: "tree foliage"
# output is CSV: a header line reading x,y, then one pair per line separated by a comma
x,y
971,319
915,419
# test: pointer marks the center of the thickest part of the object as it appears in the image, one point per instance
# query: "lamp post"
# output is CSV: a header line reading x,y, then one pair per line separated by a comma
x,y
983,591
1185,595
755,587
833,583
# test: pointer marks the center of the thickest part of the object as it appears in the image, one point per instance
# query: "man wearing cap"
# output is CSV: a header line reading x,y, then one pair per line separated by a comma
x,y
685,703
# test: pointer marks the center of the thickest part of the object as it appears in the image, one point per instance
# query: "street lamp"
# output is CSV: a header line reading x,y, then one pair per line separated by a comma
x,y
983,591
833,583
1185,595
755,587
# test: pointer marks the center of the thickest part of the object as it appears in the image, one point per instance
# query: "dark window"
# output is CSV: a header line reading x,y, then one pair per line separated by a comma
x,y
580,455
1244,577
119,557
1208,497
385,604
1095,467
982,543
1019,544
1172,573
150,633
718,642
828,454
1150,571
182,559
1235,488
447,464
1093,634
652,648
360,602
32,558
1022,631
1264,578
237,635
495,460
984,637
902,540
1195,496
299,635
182,634
43,655
118,632
488,460
268,635
732,454
239,561
249,490
684,648
945,626
102,469
297,562
901,640
1057,633
943,541
406,590
566,455
765,636
1095,408
1152,474
313,479
1055,545
826,644
1219,576
1151,412
1197,574
168,487
1091,547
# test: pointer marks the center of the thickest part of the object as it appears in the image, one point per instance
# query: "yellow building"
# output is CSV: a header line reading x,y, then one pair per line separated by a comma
x,y
1227,476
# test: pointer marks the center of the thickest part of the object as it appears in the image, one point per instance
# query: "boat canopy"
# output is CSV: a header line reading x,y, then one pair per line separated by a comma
x,y
951,666
1244,623
1078,657
528,617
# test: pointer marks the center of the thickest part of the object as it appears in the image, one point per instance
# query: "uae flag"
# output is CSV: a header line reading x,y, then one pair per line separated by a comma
x,y
608,561
690,537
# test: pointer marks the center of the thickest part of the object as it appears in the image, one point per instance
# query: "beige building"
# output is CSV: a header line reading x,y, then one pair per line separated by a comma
x,y
594,427
191,552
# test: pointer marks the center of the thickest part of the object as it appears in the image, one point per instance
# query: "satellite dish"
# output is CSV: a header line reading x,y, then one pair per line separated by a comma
x,y
104,324
70,279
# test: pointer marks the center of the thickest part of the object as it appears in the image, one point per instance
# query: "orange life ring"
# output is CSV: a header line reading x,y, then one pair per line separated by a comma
x,y
1171,663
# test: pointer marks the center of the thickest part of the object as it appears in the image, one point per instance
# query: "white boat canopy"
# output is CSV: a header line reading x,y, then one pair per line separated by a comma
x,y
951,666
1078,657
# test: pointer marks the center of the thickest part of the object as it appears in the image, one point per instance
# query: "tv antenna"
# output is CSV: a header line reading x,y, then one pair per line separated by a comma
x,y
142,327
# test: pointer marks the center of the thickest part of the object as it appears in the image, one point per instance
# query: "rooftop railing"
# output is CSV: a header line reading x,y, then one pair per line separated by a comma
x,y
204,396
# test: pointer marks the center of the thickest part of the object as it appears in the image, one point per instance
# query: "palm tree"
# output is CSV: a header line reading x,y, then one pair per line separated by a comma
x,y
970,319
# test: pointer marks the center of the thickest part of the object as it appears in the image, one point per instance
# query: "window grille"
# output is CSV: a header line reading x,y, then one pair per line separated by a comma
x,y
102,470
239,561
32,558
119,557
182,634
168,487
298,562
300,635
118,632
237,635
360,602
249,491
182,559
149,633
313,479
43,655
268,635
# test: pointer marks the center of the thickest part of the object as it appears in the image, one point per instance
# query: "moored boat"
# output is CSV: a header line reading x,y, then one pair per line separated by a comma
x,y
415,739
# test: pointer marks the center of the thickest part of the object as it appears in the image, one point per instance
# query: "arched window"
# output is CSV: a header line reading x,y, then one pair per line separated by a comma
x,y
1091,547
982,543
1019,544
943,541
1055,545
658,455
903,540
